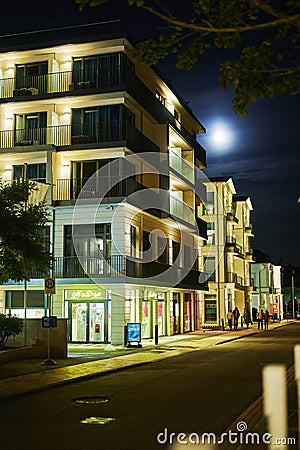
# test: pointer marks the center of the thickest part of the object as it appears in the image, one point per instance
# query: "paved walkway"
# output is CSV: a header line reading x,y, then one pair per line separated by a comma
x,y
16,380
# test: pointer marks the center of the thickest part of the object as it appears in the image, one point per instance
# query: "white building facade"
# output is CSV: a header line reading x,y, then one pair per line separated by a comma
x,y
77,118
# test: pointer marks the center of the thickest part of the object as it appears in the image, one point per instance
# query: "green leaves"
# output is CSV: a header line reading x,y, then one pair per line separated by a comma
x,y
266,68
9,326
22,246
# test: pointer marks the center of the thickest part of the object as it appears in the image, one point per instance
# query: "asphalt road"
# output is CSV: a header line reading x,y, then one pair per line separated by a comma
x,y
198,392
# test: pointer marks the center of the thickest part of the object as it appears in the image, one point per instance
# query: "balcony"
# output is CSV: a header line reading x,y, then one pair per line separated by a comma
x,y
249,254
182,210
249,230
233,247
97,187
181,166
54,83
141,270
233,277
70,267
231,214
116,266
35,85
113,134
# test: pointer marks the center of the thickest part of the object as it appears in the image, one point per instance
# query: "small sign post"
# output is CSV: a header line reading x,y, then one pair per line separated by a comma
x,y
134,334
49,321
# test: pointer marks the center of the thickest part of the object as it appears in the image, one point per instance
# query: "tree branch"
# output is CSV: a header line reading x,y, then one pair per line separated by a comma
x,y
174,22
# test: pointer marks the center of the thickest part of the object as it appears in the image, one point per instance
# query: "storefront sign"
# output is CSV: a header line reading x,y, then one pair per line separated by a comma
x,y
274,308
133,332
86,294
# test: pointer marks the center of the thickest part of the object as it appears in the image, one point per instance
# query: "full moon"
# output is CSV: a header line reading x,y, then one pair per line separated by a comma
x,y
221,136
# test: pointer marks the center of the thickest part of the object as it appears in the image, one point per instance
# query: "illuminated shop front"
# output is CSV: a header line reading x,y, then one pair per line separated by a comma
x,y
89,313
149,308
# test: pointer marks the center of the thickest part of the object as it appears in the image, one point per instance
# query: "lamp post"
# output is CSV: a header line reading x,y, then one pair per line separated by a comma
x,y
293,294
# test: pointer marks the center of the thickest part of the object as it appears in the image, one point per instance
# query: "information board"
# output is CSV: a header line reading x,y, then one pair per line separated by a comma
x,y
134,332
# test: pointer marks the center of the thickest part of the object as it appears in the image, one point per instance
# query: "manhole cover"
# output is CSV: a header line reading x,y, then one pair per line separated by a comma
x,y
89,400
98,420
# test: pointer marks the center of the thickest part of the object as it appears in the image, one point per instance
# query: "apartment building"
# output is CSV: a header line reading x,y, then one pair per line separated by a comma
x,y
227,252
76,117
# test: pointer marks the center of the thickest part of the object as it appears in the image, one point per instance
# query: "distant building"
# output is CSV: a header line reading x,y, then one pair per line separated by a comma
x,y
227,250
268,290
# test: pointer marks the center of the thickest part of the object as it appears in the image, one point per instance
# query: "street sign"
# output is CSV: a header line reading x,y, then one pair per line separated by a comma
x,y
49,322
49,285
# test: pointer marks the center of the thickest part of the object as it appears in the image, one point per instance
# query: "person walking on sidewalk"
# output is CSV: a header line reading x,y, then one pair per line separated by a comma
x,y
236,315
230,318
260,319
246,317
266,319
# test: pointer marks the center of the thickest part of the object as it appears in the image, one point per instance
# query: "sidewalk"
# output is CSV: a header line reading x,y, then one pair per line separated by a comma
x,y
25,376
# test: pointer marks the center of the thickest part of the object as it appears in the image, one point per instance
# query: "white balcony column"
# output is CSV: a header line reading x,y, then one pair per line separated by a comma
x,y
117,315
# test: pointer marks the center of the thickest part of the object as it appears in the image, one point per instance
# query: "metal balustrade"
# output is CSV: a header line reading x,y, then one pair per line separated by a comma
x,y
94,187
233,277
63,135
181,166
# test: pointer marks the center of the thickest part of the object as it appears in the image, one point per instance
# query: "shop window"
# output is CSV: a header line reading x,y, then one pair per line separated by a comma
x,y
15,299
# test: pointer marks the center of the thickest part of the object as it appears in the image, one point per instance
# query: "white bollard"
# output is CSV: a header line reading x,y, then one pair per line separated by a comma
x,y
297,378
275,404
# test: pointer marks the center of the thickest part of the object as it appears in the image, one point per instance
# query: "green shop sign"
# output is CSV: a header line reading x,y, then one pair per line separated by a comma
x,y
85,294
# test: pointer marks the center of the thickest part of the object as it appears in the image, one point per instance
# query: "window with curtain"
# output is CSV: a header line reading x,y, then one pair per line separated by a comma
x,y
100,70
31,128
32,75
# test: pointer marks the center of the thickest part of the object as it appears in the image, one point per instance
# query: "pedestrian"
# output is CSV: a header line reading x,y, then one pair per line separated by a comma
x,y
260,318
246,317
230,318
266,319
236,315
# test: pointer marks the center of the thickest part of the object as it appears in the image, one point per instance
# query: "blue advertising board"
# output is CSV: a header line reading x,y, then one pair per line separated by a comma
x,y
134,332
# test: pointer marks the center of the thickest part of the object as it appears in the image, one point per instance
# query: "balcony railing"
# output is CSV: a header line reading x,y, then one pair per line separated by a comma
x,y
181,166
70,267
190,280
116,266
233,277
181,210
55,82
63,135
35,84
97,187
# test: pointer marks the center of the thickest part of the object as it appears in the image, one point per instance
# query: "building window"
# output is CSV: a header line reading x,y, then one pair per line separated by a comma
x,y
15,299
93,244
162,245
210,234
30,128
160,97
36,172
210,267
133,241
101,70
210,201
175,252
32,75
100,124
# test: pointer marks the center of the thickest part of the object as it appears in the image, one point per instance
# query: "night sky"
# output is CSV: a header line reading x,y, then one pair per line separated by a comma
x,y
260,152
